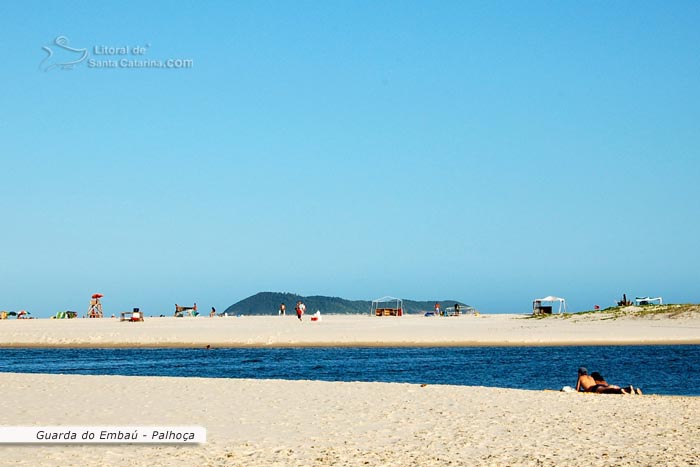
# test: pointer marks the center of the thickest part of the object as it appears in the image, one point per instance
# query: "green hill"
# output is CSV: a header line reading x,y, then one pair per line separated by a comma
x,y
267,303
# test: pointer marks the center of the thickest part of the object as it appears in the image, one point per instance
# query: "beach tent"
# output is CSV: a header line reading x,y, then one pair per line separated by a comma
x,y
648,300
387,306
538,307
181,311
66,315
463,309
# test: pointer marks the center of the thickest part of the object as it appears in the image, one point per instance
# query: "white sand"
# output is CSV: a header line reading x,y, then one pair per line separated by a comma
x,y
350,330
285,423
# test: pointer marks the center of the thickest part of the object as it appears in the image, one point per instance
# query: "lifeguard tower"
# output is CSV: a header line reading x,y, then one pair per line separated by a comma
x,y
95,309
181,311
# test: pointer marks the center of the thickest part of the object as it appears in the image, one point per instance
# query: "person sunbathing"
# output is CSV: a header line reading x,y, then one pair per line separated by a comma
x,y
585,382
589,383
602,386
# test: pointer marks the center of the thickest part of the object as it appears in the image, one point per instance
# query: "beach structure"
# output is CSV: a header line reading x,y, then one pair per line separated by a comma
x,y
648,300
19,315
459,310
181,311
387,306
624,301
543,306
66,315
132,316
95,308
8,314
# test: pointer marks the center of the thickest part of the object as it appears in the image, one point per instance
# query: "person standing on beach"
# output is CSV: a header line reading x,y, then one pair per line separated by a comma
x,y
437,309
300,308
283,310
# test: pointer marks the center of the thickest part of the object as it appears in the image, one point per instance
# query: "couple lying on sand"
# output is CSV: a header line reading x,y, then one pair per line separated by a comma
x,y
597,384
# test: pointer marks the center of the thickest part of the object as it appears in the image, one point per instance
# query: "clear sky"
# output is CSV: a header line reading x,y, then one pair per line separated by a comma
x,y
491,152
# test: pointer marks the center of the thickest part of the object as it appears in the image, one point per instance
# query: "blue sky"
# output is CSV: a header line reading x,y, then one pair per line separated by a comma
x,y
481,151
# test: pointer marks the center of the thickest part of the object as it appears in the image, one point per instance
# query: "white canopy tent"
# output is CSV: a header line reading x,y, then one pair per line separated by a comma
x,y
648,300
538,308
387,306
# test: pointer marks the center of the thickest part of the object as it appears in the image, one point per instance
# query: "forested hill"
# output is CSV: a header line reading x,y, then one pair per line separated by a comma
x,y
267,303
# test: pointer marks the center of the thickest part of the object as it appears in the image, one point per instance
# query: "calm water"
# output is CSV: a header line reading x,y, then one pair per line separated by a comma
x,y
656,369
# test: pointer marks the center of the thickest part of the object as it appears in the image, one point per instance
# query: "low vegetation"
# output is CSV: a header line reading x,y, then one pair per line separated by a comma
x,y
672,311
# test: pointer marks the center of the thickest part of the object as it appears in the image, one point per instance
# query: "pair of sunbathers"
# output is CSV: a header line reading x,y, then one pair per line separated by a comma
x,y
595,387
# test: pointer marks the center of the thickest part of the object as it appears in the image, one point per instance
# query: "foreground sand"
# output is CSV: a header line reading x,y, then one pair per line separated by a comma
x,y
350,330
265,422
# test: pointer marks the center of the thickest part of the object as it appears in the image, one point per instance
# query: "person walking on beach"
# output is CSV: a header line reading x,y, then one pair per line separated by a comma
x,y
283,310
437,309
300,309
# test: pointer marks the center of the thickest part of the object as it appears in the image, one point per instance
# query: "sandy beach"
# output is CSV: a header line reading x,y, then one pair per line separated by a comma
x,y
302,423
264,422
352,330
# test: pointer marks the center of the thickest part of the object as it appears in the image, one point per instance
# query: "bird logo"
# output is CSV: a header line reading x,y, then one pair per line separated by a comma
x,y
61,55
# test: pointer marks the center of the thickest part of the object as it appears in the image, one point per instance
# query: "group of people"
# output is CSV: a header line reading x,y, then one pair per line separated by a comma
x,y
595,383
440,312
300,309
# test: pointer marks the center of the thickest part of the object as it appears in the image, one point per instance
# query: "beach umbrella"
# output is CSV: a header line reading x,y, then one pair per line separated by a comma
x,y
11,313
97,295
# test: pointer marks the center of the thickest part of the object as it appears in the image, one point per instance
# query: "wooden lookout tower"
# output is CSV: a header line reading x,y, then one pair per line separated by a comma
x,y
95,309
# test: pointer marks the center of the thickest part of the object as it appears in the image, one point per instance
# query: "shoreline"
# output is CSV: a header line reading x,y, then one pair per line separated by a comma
x,y
438,344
